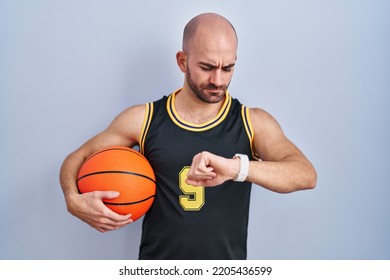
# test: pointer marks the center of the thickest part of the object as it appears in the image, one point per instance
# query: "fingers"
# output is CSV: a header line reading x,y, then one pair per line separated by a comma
x,y
106,224
94,212
110,221
210,170
106,194
201,169
197,176
196,182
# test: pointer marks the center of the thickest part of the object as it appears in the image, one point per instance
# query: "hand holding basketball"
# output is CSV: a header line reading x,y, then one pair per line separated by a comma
x,y
123,170
90,208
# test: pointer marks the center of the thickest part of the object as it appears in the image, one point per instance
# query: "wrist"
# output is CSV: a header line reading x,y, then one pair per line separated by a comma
x,y
235,169
70,199
243,167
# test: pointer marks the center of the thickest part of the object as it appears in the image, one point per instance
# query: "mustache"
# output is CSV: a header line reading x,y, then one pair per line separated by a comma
x,y
214,87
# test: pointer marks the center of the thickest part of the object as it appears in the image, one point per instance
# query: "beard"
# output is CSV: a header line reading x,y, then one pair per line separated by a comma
x,y
200,91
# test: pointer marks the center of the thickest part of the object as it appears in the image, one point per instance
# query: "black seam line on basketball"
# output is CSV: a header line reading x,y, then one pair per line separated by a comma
x,y
115,149
129,203
117,172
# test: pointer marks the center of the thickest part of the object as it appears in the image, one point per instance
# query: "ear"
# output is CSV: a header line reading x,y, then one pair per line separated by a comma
x,y
181,59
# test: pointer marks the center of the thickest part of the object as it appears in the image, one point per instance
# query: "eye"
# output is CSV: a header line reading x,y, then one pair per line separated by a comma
x,y
206,68
227,69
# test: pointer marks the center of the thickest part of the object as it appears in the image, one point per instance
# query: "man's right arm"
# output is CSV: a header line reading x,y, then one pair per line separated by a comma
x,y
123,131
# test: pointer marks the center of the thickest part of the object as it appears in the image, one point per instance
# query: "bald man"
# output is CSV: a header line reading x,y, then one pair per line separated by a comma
x,y
206,149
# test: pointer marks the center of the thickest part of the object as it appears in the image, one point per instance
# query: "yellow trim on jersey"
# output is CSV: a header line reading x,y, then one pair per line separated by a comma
x,y
146,124
249,130
197,127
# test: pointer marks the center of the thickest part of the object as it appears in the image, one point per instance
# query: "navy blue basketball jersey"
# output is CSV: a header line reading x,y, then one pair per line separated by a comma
x,y
188,222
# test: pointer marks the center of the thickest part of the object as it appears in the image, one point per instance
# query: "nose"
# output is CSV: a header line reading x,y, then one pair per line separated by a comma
x,y
216,78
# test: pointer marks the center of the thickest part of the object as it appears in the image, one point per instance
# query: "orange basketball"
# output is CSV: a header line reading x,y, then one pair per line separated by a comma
x,y
123,170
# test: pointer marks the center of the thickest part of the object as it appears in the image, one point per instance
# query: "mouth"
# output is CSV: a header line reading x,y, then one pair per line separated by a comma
x,y
215,91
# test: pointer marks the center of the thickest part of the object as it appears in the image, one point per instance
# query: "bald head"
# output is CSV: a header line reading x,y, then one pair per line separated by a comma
x,y
209,24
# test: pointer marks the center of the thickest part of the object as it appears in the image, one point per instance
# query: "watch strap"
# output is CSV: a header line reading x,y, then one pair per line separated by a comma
x,y
244,168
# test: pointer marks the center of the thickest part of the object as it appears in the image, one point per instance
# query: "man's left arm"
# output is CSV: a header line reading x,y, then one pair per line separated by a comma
x,y
283,168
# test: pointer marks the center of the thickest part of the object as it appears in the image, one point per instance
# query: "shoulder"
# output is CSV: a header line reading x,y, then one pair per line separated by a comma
x,y
129,122
131,114
262,120
269,139
267,130
135,110
135,115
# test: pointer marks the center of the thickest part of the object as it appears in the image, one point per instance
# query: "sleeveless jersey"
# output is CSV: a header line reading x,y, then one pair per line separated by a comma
x,y
188,222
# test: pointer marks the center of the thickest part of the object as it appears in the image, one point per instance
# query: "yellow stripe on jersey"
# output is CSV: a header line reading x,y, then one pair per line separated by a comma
x,y
249,130
197,127
145,126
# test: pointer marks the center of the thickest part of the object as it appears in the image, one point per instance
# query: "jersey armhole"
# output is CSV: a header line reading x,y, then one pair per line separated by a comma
x,y
145,126
249,130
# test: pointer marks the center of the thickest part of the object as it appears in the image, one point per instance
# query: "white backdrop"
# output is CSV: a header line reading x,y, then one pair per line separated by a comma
x,y
322,68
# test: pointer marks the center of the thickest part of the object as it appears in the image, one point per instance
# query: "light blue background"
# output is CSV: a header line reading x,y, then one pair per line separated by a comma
x,y
321,68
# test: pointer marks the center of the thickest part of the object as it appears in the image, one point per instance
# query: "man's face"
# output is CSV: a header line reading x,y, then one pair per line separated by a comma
x,y
209,82
210,67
